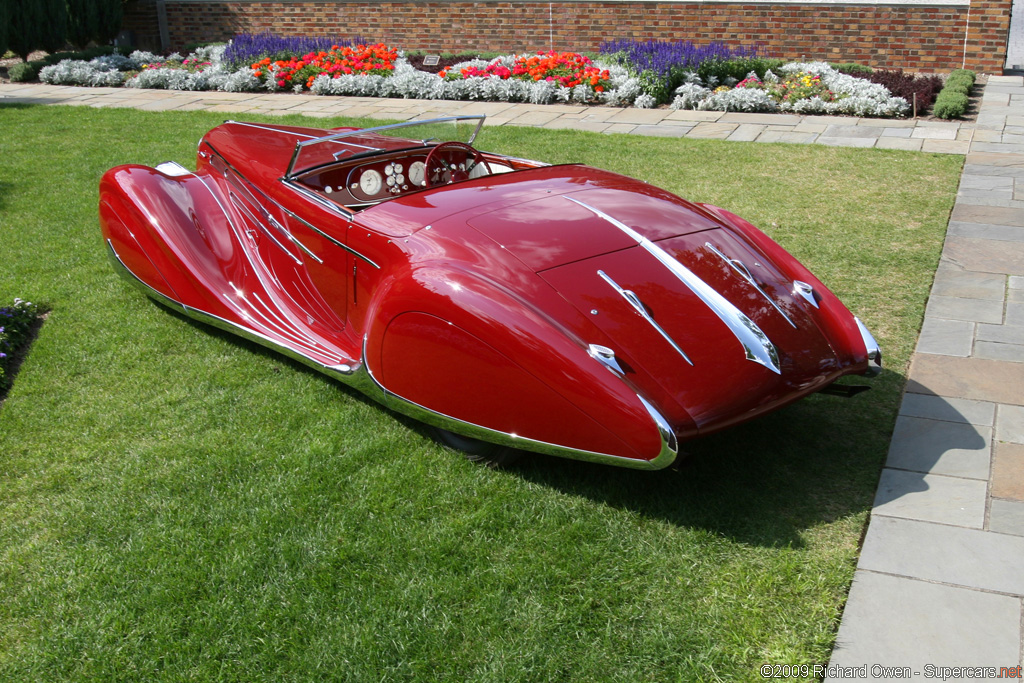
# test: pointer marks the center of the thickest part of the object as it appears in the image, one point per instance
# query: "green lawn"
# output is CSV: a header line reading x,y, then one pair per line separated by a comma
x,y
180,505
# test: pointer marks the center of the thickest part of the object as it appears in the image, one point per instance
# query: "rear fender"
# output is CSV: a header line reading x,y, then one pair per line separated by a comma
x,y
469,349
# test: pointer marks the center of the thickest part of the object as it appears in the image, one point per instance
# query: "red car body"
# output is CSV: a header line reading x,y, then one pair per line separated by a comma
x,y
560,309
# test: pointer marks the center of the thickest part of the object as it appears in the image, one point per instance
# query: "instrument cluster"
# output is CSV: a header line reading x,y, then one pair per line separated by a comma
x,y
382,179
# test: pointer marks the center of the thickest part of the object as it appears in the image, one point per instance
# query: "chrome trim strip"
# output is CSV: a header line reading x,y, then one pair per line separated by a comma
x,y
331,205
309,194
665,457
292,214
874,352
744,272
341,371
245,210
341,245
639,307
756,345
273,130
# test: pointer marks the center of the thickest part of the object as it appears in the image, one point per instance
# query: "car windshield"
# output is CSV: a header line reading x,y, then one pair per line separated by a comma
x,y
366,142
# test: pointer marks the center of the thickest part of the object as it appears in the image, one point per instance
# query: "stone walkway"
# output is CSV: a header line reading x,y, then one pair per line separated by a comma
x,y
940,579
949,137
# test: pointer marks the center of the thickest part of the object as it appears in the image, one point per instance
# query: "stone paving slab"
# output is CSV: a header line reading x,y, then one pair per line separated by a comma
x,y
746,132
946,337
982,413
1010,424
968,284
988,231
972,378
905,144
1006,334
957,308
992,256
925,623
846,141
706,129
1008,471
999,351
663,131
931,498
948,448
1007,517
946,146
946,554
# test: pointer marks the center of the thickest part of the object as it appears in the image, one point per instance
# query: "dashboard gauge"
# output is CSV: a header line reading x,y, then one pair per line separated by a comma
x,y
417,173
370,182
399,178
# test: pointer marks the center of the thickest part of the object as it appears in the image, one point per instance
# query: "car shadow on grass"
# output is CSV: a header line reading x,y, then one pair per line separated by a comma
x,y
763,483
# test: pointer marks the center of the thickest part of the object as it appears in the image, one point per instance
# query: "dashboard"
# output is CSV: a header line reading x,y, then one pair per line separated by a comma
x,y
359,184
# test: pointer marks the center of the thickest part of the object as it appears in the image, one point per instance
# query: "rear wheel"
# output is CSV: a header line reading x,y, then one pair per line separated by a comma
x,y
475,450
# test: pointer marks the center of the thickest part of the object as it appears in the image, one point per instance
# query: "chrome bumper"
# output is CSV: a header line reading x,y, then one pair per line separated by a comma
x,y
874,353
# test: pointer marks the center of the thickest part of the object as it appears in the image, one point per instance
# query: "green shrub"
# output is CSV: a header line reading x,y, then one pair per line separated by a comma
x,y
852,68
24,72
950,105
735,68
961,80
953,100
85,55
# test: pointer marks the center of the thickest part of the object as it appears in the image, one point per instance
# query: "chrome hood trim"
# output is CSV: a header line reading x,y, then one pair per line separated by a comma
x,y
741,269
639,307
756,345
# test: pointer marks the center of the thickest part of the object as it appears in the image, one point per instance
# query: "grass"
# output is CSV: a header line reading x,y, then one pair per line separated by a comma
x,y
180,505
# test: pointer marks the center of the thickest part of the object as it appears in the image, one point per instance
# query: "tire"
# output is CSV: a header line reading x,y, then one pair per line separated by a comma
x,y
483,452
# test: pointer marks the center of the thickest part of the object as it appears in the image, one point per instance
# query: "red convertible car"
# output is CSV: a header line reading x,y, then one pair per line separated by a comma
x,y
560,309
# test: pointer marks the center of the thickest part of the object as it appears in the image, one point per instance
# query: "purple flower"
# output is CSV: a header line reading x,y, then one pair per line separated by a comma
x,y
662,57
246,48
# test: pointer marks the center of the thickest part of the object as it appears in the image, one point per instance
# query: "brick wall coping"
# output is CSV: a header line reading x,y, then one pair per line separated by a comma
x,y
856,3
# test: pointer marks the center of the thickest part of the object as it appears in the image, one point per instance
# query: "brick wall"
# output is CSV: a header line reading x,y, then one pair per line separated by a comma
x,y
914,37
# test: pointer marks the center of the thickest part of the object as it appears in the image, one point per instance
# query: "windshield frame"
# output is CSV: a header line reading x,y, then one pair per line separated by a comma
x,y
293,170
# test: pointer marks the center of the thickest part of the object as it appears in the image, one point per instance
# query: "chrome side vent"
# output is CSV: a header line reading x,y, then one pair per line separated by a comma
x,y
606,357
806,291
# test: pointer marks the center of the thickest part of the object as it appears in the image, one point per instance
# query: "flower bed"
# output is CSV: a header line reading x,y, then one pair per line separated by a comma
x,y
15,326
802,88
629,73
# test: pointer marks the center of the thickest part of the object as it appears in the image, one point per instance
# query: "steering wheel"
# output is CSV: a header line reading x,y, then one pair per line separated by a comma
x,y
451,162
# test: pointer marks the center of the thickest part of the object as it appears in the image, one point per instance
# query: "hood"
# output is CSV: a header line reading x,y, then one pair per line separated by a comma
x,y
528,212
705,320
